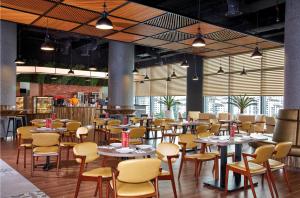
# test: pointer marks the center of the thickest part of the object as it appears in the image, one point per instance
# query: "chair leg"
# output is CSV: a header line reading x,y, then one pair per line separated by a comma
x,y
196,168
245,182
57,165
180,167
100,186
107,189
216,165
270,184
24,157
32,164
68,153
96,190
77,187
286,179
252,186
226,180
18,156
199,169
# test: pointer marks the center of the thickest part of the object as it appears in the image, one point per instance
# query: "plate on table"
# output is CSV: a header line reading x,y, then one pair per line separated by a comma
x,y
44,129
124,150
214,137
143,146
245,137
116,145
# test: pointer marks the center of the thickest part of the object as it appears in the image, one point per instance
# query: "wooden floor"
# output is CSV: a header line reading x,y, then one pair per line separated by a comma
x,y
187,187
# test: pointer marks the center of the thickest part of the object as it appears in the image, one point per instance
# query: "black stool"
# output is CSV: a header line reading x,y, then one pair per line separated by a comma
x,y
14,120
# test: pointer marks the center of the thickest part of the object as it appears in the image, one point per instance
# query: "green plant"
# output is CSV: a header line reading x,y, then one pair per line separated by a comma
x,y
242,102
169,101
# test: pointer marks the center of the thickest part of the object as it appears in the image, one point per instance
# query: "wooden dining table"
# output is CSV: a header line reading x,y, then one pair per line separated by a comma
x,y
111,151
223,142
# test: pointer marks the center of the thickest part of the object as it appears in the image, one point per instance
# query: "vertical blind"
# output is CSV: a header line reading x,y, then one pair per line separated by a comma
x,y
157,85
264,76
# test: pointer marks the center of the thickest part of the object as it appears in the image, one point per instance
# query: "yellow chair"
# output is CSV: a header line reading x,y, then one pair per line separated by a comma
x,y
113,123
38,122
114,134
136,135
81,133
45,145
281,152
187,142
71,129
135,120
168,153
99,128
215,129
256,166
246,127
85,153
202,128
167,130
134,178
24,140
57,124
156,126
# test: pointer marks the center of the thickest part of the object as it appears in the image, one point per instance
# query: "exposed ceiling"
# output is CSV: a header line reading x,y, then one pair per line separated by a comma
x,y
164,27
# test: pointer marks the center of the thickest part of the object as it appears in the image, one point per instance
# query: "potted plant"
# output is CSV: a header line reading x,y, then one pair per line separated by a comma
x,y
242,102
169,101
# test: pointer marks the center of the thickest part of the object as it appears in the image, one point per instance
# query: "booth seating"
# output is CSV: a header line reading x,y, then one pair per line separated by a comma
x,y
270,124
206,117
194,115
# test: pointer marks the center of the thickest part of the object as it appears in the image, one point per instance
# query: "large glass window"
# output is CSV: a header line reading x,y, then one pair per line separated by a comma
x,y
272,104
215,104
143,100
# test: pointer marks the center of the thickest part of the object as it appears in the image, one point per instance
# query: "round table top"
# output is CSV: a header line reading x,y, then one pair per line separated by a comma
x,y
48,130
112,151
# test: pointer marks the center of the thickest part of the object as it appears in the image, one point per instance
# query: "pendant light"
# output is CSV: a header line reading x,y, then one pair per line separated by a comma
x,y
104,23
53,78
141,81
220,71
195,77
91,67
146,77
243,72
173,74
19,60
199,41
71,72
256,54
184,64
168,79
48,44
135,71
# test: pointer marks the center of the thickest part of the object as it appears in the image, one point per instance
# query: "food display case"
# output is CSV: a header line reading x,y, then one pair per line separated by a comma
x,y
42,104
20,103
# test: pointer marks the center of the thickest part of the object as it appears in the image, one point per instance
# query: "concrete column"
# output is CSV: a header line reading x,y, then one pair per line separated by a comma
x,y
120,66
292,58
194,92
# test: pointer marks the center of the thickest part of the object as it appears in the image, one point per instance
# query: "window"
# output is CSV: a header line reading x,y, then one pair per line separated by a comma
x,y
251,110
142,100
272,104
215,104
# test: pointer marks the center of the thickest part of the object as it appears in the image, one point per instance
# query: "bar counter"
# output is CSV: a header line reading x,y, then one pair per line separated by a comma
x,y
84,115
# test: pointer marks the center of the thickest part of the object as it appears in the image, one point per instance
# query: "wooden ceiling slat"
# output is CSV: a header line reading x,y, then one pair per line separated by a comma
x,y
219,45
17,16
174,46
190,41
118,24
136,12
245,40
236,50
212,54
32,6
266,45
151,42
126,37
146,30
204,27
72,14
95,5
55,24
92,31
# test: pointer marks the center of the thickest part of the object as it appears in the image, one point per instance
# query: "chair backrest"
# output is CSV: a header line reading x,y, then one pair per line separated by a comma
x,y
138,170
194,115
246,118
282,150
25,132
214,121
167,149
99,122
205,117
135,120
73,126
201,128
204,134
57,124
136,133
246,126
45,139
87,149
270,124
189,139
113,122
82,131
224,116
38,122
158,122
215,129
263,153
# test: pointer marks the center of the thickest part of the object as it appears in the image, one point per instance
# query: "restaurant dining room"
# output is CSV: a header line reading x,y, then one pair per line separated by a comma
x,y
162,98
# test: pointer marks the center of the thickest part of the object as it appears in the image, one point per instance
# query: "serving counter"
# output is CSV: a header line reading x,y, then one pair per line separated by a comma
x,y
84,115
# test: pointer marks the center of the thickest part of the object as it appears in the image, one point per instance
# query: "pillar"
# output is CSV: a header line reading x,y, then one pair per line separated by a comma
x,y
292,58
8,49
120,66
194,92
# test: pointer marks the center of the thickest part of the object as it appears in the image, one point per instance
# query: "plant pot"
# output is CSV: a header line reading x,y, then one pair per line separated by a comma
x,y
168,114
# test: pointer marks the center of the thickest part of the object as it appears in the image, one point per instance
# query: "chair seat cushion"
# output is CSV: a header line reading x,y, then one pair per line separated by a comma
x,y
201,156
135,141
50,150
70,144
27,145
105,172
133,189
254,168
275,165
164,173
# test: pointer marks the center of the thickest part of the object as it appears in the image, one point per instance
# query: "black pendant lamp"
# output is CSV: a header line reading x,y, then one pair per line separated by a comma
x,y
19,60
135,71
173,75
199,41
168,79
146,77
71,72
104,23
220,71
93,66
195,77
243,72
48,44
141,81
53,78
256,53
184,64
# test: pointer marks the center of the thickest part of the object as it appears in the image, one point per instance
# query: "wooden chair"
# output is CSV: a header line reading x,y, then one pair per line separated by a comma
x,y
168,131
45,145
215,129
81,134
187,142
57,124
71,129
99,128
168,153
202,128
24,141
114,134
38,122
136,135
135,120
136,178
157,125
246,127
250,168
85,153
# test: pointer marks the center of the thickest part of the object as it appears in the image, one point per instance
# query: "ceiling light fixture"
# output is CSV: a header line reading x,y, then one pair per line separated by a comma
x,y
244,72
135,71
53,78
256,54
168,79
184,64
19,60
104,23
146,77
199,41
195,77
173,75
141,81
47,45
91,67
71,72
220,71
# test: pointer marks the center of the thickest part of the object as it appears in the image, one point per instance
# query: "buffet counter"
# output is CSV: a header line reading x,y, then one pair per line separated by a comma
x,y
85,115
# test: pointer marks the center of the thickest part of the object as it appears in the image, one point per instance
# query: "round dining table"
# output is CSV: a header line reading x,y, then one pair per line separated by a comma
x,y
111,151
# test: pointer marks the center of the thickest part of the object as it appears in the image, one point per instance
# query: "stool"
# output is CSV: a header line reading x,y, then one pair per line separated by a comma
x,y
24,119
14,120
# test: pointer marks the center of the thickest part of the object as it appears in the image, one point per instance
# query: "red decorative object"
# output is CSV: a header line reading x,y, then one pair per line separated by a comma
x,y
125,120
125,139
232,131
48,123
